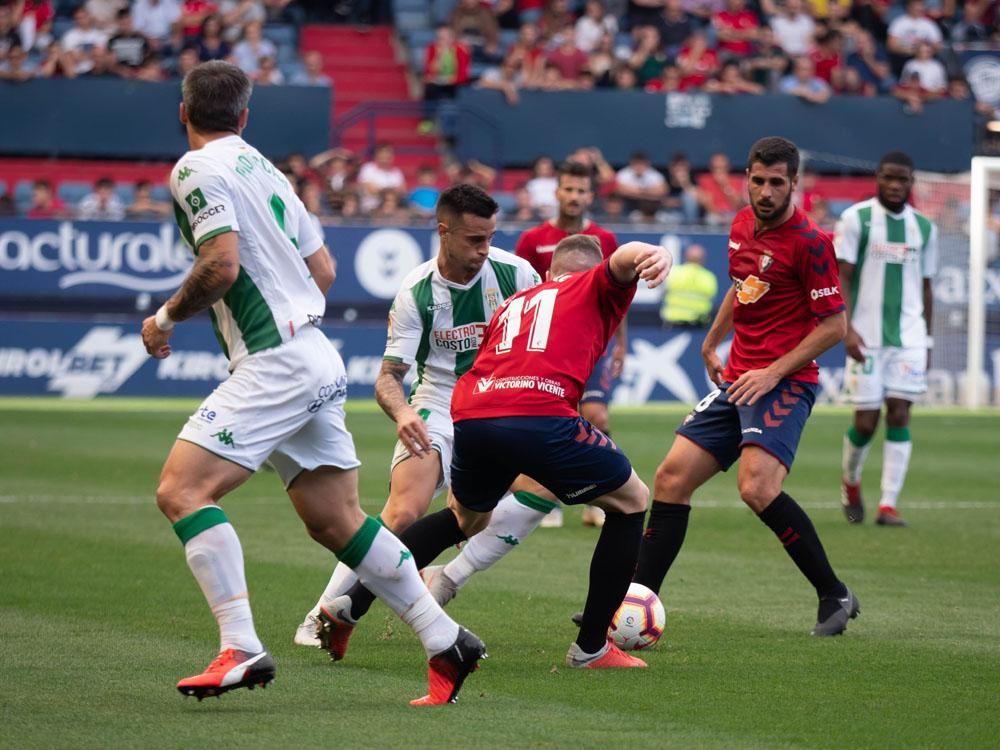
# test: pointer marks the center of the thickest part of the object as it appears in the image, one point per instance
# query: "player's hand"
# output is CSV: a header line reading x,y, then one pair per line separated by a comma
x,y
412,432
713,363
155,340
854,345
653,263
618,358
751,385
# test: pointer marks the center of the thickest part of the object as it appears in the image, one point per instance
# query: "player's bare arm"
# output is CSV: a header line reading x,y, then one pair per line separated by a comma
x,y
722,326
853,342
391,396
321,268
928,295
651,263
620,349
753,384
214,271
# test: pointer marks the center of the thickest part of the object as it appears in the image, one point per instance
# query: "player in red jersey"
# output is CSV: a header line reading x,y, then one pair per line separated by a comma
x,y
515,413
575,194
785,309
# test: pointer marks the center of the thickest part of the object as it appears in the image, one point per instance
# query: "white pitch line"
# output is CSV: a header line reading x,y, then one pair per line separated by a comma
x,y
261,500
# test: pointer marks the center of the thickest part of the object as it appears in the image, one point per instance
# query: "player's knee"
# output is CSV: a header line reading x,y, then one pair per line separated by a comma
x,y
637,500
669,484
866,422
757,492
897,415
398,518
173,500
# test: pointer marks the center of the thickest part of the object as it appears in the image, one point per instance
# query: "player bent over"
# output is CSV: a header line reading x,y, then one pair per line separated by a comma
x,y
785,308
264,272
436,323
516,413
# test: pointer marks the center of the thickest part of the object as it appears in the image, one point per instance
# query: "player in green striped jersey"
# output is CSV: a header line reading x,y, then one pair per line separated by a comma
x,y
888,255
436,323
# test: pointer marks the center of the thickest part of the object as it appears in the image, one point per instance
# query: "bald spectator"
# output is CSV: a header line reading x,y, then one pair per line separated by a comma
x,y
804,84
313,74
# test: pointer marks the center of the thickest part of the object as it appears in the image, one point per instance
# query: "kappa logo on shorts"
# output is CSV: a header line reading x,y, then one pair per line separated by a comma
x,y
750,289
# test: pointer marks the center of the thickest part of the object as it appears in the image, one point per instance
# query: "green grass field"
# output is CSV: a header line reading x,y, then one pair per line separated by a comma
x,y
100,615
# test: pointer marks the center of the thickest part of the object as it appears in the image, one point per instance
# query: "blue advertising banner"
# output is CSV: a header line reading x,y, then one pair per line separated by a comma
x,y
80,359
83,259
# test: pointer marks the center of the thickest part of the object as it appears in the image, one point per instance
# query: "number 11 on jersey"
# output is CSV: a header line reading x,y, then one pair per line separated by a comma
x,y
543,303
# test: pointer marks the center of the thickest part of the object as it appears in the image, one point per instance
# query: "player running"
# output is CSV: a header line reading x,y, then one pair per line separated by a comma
x,y
784,309
575,195
436,323
516,413
262,271
888,254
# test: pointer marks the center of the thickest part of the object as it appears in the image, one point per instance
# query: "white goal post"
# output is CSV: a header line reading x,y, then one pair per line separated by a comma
x,y
982,169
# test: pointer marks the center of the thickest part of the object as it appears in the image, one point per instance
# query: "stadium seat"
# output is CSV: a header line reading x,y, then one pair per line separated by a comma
x,y
287,53
125,192
506,201
408,21
160,193
72,193
282,34
3,188
837,207
60,26
507,38
440,10
22,195
291,69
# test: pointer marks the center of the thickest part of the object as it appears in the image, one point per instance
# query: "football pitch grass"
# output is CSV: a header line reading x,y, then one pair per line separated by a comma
x,y
100,615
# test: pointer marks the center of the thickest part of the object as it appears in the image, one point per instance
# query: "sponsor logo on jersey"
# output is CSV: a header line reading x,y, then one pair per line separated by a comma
x,y
493,298
184,173
893,252
750,289
465,338
733,245
196,200
435,306
207,214
545,249
827,291
765,261
521,383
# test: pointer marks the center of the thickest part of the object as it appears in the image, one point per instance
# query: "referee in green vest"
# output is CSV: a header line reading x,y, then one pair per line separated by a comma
x,y
691,290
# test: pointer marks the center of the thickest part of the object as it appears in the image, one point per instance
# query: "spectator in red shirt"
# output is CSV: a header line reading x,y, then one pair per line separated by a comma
x,y
722,191
446,67
527,55
697,62
44,202
669,81
193,14
568,59
731,80
826,55
737,29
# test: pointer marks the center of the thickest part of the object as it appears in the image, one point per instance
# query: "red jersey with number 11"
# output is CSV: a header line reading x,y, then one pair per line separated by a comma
x,y
541,347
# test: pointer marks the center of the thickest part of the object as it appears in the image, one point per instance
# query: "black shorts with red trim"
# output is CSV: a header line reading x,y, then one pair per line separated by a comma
x,y
567,455
774,423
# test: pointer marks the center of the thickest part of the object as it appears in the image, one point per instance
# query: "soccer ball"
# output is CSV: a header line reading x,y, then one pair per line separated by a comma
x,y
639,622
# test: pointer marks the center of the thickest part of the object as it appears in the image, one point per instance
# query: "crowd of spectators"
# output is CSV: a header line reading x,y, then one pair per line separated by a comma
x,y
808,49
338,187
149,40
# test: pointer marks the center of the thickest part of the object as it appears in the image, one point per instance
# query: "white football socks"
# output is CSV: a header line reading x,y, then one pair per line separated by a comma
x,y
853,459
216,560
895,462
340,583
510,524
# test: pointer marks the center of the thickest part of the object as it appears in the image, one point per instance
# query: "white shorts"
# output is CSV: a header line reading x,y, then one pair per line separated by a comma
x,y
892,372
442,433
285,405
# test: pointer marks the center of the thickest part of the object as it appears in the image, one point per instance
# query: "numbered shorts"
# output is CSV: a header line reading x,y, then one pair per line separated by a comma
x,y
600,383
442,434
774,423
890,372
567,455
285,405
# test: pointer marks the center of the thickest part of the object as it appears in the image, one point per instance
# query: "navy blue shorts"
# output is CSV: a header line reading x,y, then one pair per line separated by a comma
x,y
774,423
599,384
567,455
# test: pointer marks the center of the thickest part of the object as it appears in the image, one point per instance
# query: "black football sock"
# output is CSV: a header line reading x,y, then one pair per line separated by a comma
x,y
426,539
795,531
611,570
662,541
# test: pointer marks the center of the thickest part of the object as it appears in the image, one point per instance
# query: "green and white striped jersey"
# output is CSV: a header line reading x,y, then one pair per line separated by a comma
x,y
438,324
227,186
892,254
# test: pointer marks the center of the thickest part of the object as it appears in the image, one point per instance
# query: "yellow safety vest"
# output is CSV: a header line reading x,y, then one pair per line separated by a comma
x,y
691,290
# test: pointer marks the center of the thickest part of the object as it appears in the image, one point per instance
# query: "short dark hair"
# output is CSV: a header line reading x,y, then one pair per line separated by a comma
x,y
897,158
774,150
639,156
215,94
104,182
465,199
586,247
571,168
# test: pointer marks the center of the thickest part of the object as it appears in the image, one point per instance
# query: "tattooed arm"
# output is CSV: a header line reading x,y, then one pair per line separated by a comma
x,y
213,273
391,396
